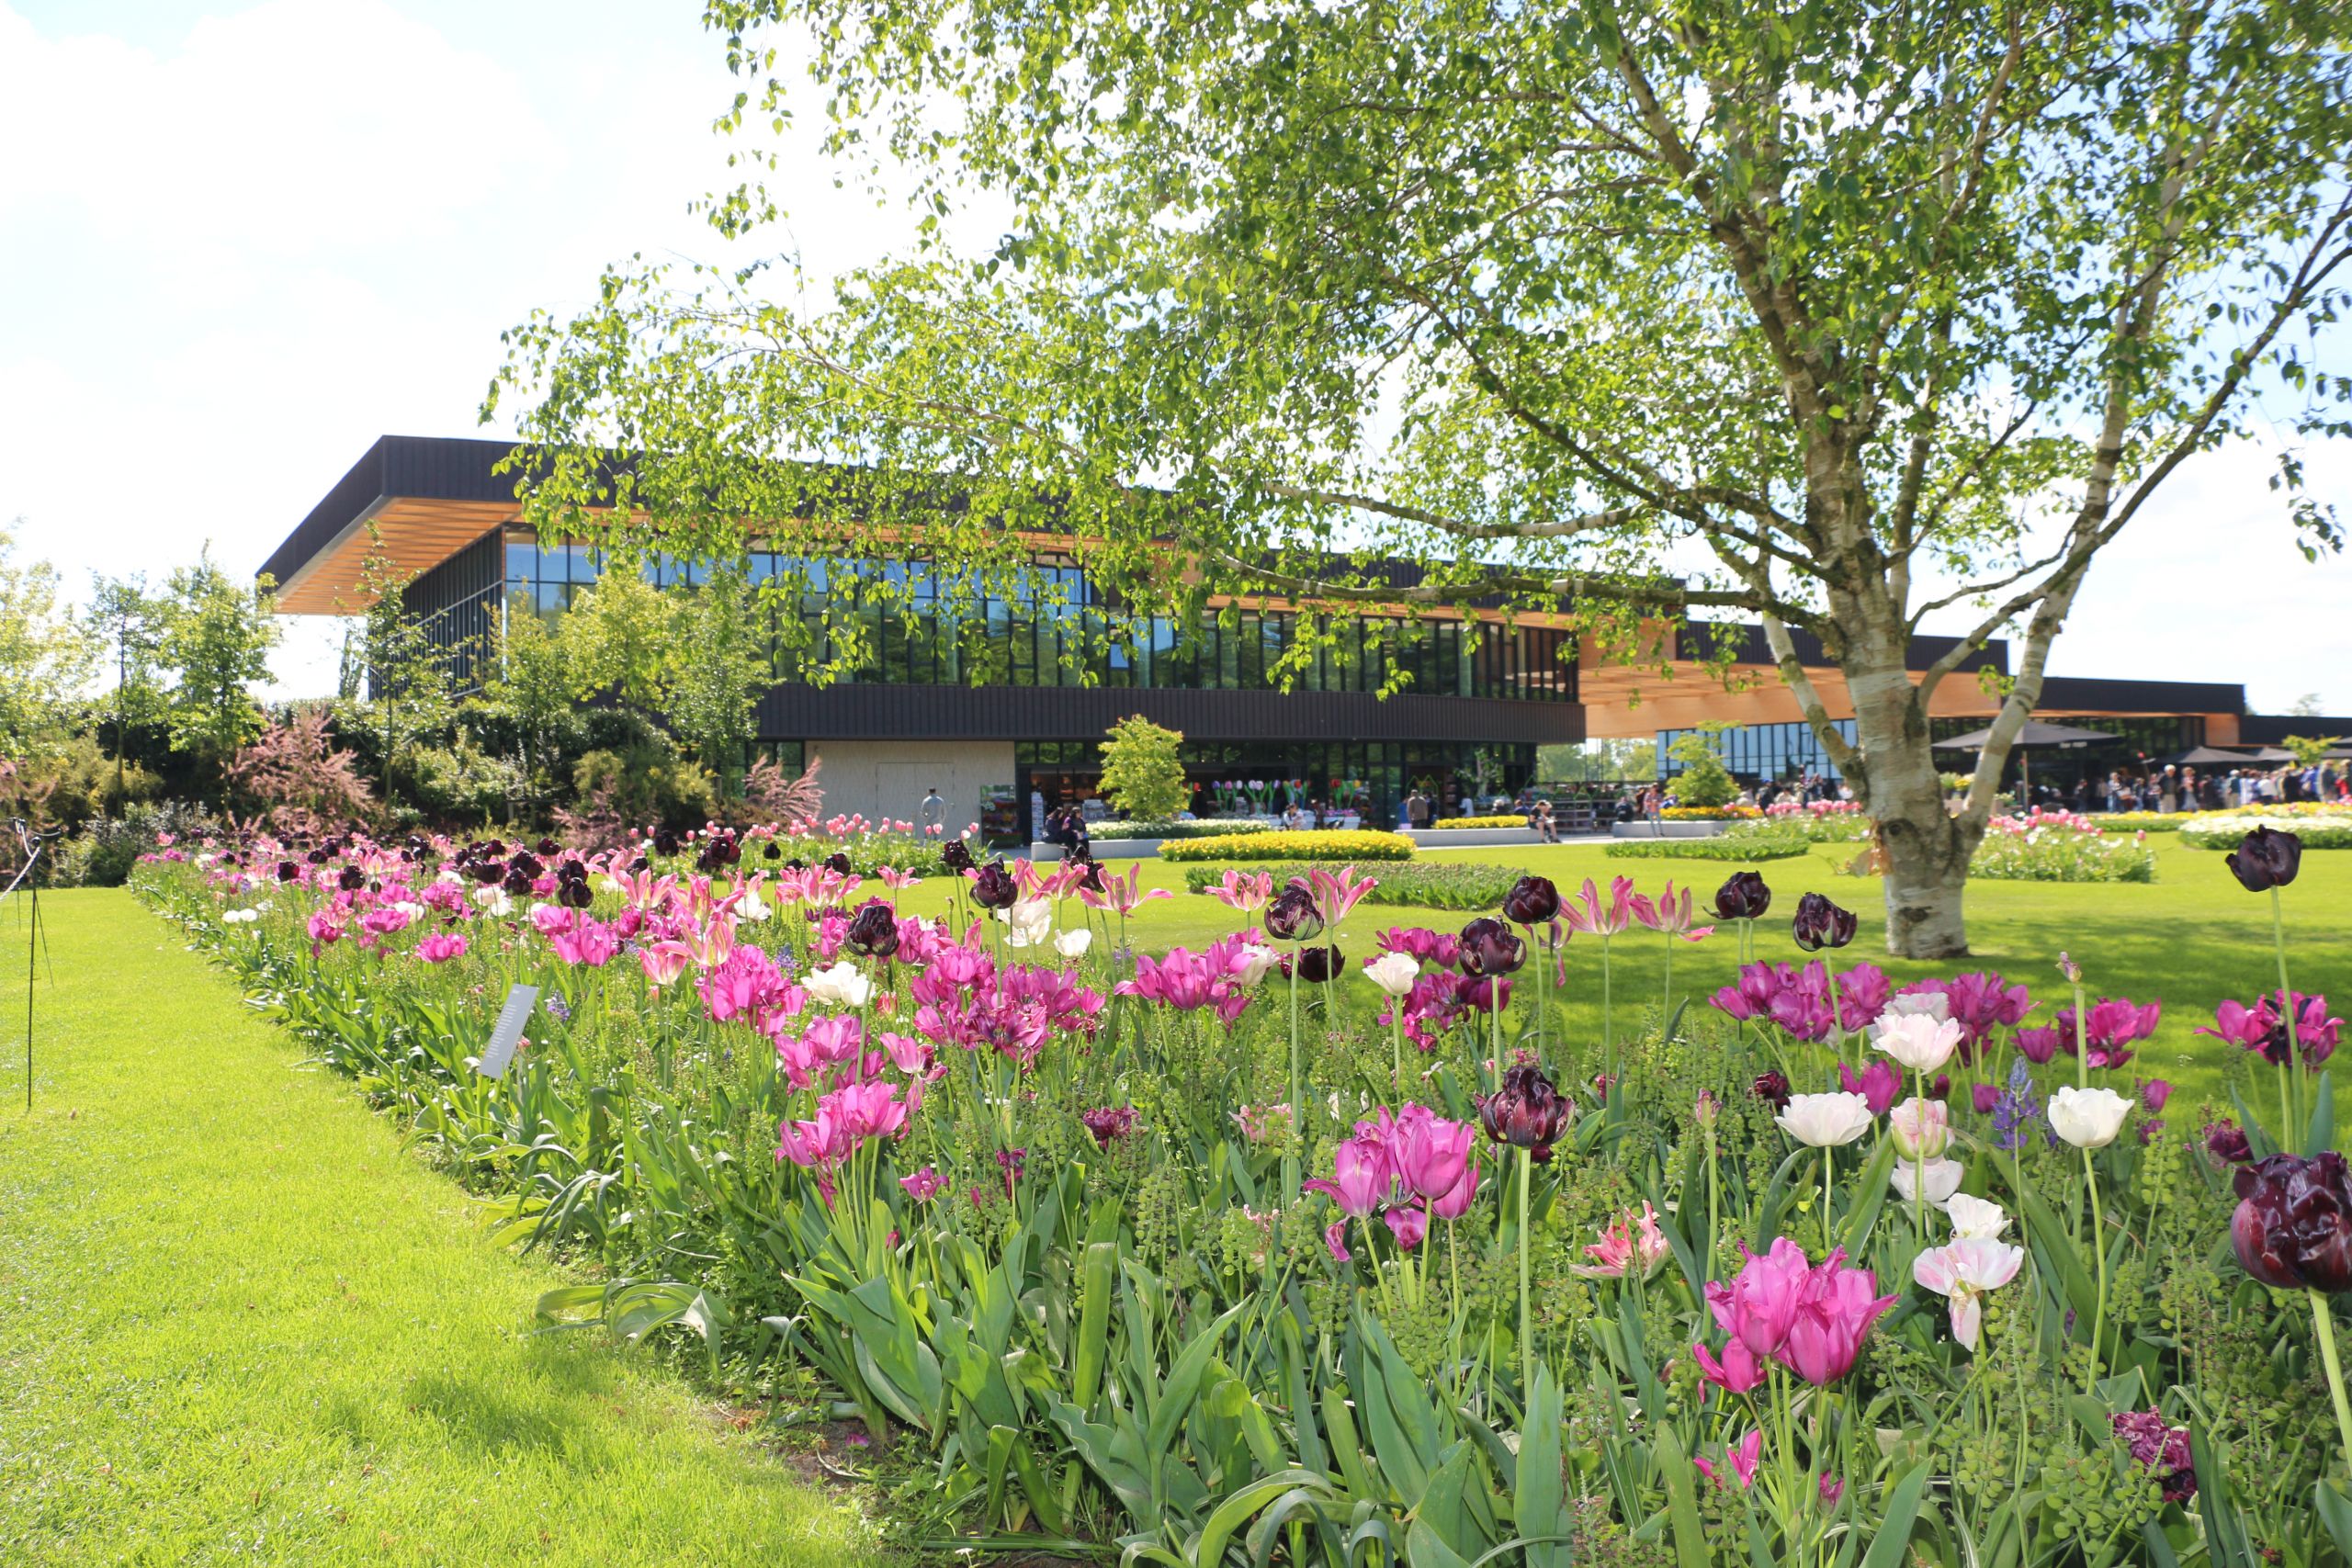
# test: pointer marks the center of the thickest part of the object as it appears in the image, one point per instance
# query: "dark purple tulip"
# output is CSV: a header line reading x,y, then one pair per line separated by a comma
x,y
956,857
1743,896
994,887
1292,917
2160,1448
2227,1142
288,871
573,892
1533,901
837,863
1318,964
774,851
1820,923
1109,1124
1488,947
527,863
639,864
515,882
665,840
1983,1098
873,931
318,857
2265,859
352,880
2293,1224
486,872
1527,1111
1772,1087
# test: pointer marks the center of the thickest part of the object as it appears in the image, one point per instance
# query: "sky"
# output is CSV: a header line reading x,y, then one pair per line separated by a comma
x,y
241,241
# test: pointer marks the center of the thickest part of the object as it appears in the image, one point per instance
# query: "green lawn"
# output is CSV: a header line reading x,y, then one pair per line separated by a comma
x,y
2190,937
242,1325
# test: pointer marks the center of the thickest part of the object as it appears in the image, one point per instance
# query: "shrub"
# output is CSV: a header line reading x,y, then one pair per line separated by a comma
x,y
1321,844
463,783
1114,829
1703,781
1723,847
1143,772
299,780
103,853
2223,830
1844,823
1435,884
649,781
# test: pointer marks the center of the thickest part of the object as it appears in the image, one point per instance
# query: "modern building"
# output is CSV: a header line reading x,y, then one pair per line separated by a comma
x,y
1007,704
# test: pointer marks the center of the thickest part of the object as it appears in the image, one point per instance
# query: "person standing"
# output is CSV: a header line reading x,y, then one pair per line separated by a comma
x,y
934,814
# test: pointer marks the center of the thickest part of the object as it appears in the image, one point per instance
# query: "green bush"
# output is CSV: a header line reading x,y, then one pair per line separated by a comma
x,y
102,853
1436,884
1723,846
1323,844
1143,770
463,783
648,781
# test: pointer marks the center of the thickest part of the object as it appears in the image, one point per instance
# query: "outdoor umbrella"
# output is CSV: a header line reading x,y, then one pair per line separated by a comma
x,y
2207,757
2032,736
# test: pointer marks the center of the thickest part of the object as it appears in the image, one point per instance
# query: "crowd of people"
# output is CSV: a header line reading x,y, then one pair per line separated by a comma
x,y
2174,788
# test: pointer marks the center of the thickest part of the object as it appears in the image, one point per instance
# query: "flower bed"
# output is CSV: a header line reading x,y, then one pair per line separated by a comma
x,y
1711,813
2060,854
1507,819
1253,1246
1759,846
1321,844
1206,827
2223,830
1821,821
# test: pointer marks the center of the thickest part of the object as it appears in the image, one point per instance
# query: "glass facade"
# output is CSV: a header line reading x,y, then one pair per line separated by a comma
x,y
1067,633
457,604
1759,752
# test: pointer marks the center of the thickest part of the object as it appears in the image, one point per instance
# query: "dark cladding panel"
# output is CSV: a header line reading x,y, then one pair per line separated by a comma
x,y
875,712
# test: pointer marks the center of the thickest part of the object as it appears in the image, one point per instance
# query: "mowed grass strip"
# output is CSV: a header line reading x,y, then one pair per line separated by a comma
x,y
239,1324
2189,939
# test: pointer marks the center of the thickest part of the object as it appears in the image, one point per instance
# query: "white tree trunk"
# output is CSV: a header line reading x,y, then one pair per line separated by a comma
x,y
1925,848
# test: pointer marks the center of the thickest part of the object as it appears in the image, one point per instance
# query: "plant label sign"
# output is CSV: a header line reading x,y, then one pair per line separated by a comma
x,y
508,1034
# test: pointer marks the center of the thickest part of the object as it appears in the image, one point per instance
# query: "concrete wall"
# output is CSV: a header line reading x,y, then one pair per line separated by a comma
x,y
887,778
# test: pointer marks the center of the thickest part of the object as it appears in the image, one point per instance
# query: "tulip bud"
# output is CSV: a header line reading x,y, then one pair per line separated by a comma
x,y
1533,901
2266,858
1292,916
1820,923
1742,898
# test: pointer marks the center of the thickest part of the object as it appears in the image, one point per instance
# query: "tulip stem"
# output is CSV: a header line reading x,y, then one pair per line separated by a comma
x,y
1292,1175
2324,1324
1919,1161
2098,1252
1828,1159
2290,1137
1526,1315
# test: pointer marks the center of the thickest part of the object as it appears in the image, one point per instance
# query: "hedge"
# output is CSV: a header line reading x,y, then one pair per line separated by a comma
x,y
1436,884
1318,845
1751,847
1113,828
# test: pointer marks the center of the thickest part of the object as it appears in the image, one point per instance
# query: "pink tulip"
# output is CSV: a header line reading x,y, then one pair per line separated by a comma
x,y
1672,914
1408,1225
1745,1456
1246,891
1362,1177
1760,1303
440,948
1337,893
1633,1243
1737,1373
1430,1153
923,1185
663,962
1456,1202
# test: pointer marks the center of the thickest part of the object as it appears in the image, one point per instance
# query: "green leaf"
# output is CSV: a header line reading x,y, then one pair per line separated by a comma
x,y
1892,1544
1539,1498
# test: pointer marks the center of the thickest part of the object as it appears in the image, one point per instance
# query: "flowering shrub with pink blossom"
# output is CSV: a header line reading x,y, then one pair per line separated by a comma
x,y
1325,1241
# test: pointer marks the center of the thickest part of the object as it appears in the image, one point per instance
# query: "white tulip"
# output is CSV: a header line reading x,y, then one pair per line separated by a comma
x,y
1826,1121
843,985
1975,1218
1962,1272
1918,1042
1394,973
1916,1004
1942,1180
1032,920
1921,1128
751,906
1250,965
2087,1118
1073,942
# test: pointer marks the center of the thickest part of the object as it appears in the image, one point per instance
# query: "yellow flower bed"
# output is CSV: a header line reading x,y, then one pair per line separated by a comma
x,y
1330,843
1710,813
1506,820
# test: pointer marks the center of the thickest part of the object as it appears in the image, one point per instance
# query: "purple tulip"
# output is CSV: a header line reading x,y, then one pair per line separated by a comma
x,y
1820,923
1743,896
2293,1224
1526,1112
1533,901
2266,859
1489,947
